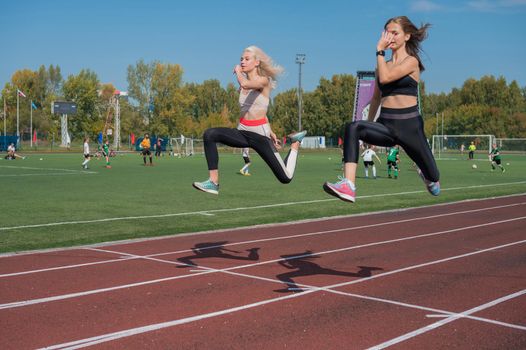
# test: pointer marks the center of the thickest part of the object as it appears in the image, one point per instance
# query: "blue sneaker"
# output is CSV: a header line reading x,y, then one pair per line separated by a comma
x,y
207,186
298,136
432,187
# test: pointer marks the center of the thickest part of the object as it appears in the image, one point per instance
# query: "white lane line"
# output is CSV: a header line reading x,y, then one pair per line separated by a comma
x,y
205,212
91,292
139,330
439,316
102,290
267,239
450,319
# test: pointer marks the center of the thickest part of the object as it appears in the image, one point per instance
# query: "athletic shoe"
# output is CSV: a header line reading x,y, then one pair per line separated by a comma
x,y
432,187
246,173
341,189
298,136
241,172
207,186
503,170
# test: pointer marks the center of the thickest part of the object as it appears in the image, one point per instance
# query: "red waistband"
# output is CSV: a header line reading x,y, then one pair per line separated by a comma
x,y
256,122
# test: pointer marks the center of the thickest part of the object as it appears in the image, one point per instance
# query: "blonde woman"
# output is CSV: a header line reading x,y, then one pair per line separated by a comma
x,y
256,74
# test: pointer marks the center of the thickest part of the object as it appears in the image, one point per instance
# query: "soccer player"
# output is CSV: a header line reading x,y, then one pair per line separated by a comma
x,y
145,146
11,152
472,148
87,156
106,153
400,122
256,76
393,157
158,147
495,159
246,158
368,160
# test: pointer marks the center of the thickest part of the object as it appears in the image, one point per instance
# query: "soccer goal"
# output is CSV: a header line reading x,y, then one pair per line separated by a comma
x,y
448,145
186,146
511,145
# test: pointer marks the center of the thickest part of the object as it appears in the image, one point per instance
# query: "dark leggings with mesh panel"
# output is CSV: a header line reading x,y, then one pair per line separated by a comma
x,y
403,127
282,169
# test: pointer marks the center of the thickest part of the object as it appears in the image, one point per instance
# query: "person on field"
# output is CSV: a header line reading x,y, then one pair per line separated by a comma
x,y
159,147
396,94
368,160
11,153
146,146
246,159
393,159
256,75
472,148
494,157
106,153
87,156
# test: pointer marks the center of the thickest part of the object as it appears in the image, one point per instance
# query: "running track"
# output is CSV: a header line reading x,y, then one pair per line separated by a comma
x,y
441,277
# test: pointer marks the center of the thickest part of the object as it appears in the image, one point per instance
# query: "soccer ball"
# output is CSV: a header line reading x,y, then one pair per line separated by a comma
x,y
507,163
474,166
41,159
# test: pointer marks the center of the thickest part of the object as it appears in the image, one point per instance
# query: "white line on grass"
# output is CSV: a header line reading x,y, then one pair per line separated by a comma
x,y
204,212
33,168
102,290
302,235
450,319
50,174
139,330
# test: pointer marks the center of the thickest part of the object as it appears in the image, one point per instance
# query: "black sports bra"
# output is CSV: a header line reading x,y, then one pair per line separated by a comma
x,y
406,85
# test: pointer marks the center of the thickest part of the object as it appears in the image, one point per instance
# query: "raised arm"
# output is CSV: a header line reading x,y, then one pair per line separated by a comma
x,y
387,74
258,83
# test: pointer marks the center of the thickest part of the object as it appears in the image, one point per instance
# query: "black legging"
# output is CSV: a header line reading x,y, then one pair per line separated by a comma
x,y
241,139
402,127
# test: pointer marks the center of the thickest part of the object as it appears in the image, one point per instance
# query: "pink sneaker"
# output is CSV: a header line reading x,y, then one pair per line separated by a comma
x,y
341,189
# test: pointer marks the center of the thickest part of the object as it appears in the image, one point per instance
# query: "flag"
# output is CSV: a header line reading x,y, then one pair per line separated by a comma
x,y
33,105
340,141
132,138
35,135
20,93
284,140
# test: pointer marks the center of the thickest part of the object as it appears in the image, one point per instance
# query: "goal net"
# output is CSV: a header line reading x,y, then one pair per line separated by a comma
x,y
448,145
509,145
186,146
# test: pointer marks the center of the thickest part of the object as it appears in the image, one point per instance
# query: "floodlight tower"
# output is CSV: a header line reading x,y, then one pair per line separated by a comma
x,y
117,137
300,59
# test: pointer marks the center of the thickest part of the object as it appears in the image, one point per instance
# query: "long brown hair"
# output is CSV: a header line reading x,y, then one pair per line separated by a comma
x,y
417,36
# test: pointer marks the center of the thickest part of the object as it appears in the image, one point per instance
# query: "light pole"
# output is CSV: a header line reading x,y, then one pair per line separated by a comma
x,y
300,59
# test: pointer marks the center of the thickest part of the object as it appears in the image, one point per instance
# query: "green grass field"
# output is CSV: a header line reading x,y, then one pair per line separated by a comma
x,y
54,203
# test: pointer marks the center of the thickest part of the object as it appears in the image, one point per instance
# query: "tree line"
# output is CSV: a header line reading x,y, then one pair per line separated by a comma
x,y
161,103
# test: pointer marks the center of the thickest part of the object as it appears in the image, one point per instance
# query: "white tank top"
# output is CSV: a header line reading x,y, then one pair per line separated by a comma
x,y
253,103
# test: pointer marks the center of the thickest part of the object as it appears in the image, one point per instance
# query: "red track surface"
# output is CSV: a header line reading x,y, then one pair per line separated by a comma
x,y
441,277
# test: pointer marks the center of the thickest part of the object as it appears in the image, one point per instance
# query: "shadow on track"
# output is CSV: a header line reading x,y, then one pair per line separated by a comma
x,y
216,250
303,266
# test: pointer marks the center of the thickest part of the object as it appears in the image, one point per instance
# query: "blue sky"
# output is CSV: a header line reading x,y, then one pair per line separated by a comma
x,y
468,39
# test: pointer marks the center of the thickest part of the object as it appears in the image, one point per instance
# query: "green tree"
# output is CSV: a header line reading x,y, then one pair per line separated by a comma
x,y
83,89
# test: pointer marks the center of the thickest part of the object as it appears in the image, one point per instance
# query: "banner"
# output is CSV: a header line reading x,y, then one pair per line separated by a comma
x,y
365,83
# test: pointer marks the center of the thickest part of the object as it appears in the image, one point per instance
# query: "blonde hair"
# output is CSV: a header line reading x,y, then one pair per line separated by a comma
x,y
267,67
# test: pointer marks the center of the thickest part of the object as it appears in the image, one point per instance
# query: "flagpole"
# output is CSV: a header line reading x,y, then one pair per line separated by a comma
x,y
5,117
17,120
31,123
